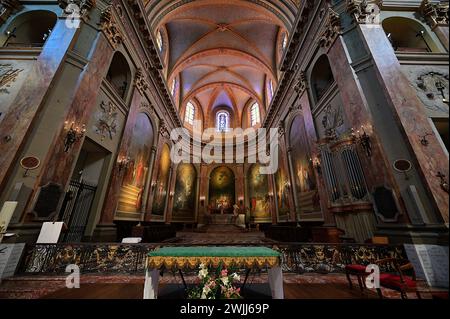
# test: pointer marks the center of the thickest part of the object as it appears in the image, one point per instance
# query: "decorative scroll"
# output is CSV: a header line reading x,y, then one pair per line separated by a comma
x,y
363,11
8,75
436,14
109,28
106,124
332,29
7,8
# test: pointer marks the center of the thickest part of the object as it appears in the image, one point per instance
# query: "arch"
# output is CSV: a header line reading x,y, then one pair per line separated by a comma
x,y
303,175
135,176
162,182
222,190
185,194
408,35
198,113
189,61
258,194
30,29
119,75
321,78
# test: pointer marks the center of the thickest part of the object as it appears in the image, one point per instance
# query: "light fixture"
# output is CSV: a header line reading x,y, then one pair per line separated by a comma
x,y
317,165
363,139
124,162
444,183
74,134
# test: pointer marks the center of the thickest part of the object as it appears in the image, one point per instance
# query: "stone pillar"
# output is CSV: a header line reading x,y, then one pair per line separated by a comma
x,y
408,112
148,182
293,182
21,116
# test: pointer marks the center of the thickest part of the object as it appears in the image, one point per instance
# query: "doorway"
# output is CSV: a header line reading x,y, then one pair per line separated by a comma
x,y
82,190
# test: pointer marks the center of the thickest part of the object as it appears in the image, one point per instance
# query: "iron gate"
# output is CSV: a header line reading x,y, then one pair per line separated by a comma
x,y
76,208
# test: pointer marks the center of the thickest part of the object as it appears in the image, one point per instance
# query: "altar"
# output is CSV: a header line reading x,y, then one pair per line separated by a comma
x,y
181,258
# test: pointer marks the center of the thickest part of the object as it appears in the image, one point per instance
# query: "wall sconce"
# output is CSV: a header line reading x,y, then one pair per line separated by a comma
x,y
363,140
73,135
153,185
202,200
124,163
317,166
444,183
270,194
172,194
241,201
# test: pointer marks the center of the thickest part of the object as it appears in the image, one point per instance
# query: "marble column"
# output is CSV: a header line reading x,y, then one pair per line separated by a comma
x,y
409,113
170,198
115,182
18,122
58,164
293,182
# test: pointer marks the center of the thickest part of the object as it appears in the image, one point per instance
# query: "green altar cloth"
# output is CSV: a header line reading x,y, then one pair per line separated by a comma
x,y
192,257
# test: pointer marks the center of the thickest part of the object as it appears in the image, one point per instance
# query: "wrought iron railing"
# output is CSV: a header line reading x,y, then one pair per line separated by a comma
x,y
129,258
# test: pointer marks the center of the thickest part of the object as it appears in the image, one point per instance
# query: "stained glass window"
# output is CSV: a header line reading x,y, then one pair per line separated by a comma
x,y
223,121
270,89
285,40
255,117
173,87
190,113
159,40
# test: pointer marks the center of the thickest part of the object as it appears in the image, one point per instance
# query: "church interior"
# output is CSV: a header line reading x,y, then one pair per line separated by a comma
x,y
354,93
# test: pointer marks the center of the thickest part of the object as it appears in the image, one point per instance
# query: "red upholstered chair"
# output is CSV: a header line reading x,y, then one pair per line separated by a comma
x,y
360,272
399,281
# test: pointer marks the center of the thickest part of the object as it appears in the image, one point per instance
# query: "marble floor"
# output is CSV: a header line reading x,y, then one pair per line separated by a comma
x,y
130,286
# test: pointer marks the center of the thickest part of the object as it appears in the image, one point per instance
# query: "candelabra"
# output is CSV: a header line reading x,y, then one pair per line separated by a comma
x,y
363,139
124,163
73,135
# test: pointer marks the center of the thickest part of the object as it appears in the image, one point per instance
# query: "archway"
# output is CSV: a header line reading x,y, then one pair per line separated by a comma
x,y
222,195
135,176
30,29
303,171
258,193
162,186
185,193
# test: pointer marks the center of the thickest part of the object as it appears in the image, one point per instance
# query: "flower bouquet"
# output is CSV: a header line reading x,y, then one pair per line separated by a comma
x,y
218,284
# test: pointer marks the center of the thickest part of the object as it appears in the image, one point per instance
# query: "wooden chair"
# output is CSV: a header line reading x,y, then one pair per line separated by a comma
x,y
399,281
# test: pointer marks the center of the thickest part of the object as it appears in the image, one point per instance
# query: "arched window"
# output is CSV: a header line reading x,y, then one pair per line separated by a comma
x,y
321,77
159,41
222,121
285,41
30,29
271,89
408,35
119,74
255,116
173,87
190,113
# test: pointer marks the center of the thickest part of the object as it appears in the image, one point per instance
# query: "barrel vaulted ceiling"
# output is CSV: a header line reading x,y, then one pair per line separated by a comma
x,y
222,53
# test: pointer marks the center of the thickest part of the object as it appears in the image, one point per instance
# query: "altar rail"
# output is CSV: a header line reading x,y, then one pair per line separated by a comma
x,y
130,258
